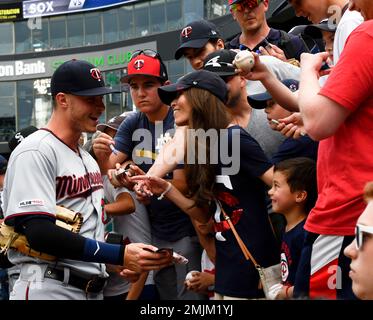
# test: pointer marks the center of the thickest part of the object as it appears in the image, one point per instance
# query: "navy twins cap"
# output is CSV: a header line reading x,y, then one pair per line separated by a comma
x,y
79,78
258,101
221,62
197,79
195,35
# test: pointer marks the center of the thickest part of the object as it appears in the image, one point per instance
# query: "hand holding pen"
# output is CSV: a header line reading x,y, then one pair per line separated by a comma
x,y
104,144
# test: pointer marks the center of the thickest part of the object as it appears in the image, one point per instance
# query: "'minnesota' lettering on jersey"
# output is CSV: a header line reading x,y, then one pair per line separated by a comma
x,y
74,187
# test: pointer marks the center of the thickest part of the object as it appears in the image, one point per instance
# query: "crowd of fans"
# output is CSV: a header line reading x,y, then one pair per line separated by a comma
x,y
280,152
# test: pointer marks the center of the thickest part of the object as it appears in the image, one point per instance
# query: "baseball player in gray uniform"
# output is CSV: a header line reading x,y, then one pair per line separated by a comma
x,y
48,169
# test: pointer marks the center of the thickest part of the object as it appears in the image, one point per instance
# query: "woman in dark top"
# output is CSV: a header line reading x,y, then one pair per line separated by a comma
x,y
225,170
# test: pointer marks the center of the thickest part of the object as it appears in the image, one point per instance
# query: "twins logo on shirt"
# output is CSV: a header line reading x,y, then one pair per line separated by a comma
x,y
284,267
235,213
78,187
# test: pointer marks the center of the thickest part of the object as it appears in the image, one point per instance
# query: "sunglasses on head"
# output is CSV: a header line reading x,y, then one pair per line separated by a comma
x,y
145,52
362,233
250,4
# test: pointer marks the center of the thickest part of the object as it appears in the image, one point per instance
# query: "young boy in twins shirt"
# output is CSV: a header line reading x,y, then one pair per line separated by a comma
x,y
293,194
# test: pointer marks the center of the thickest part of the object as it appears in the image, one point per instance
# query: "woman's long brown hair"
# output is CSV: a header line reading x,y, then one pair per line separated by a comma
x,y
208,112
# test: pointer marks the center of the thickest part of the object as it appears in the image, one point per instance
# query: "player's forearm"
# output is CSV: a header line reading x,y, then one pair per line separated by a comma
x,y
45,236
170,155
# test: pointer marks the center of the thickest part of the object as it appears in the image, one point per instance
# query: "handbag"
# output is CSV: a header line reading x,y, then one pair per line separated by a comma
x,y
269,276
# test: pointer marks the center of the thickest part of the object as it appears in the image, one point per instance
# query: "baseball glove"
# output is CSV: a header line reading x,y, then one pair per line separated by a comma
x,y
9,239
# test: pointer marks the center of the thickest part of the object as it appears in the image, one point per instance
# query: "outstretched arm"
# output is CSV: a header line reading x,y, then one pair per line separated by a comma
x,y
159,186
43,235
170,155
279,92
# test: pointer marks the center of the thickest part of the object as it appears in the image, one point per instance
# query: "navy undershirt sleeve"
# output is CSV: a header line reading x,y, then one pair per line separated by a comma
x,y
45,236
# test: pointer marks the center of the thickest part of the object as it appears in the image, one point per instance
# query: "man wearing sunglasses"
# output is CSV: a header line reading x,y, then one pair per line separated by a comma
x,y
360,251
140,137
257,36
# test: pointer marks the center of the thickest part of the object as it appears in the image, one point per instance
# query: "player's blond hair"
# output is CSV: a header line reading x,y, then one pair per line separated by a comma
x,y
368,191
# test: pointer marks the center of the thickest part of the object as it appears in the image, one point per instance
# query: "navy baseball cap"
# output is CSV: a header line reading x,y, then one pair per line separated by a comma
x,y
221,63
197,79
258,101
324,25
195,35
79,78
20,135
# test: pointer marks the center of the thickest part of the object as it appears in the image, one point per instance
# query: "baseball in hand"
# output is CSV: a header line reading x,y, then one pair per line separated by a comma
x,y
189,275
244,60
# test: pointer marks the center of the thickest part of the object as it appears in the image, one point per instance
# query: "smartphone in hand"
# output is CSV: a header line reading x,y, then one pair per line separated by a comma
x,y
177,258
164,250
120,172
161,250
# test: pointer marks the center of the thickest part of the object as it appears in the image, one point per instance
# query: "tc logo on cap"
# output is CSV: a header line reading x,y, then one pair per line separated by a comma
x,y
138,64
96,74
186,32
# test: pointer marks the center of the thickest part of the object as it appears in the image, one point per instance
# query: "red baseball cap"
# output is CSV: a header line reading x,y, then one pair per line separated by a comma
x,y
146,65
